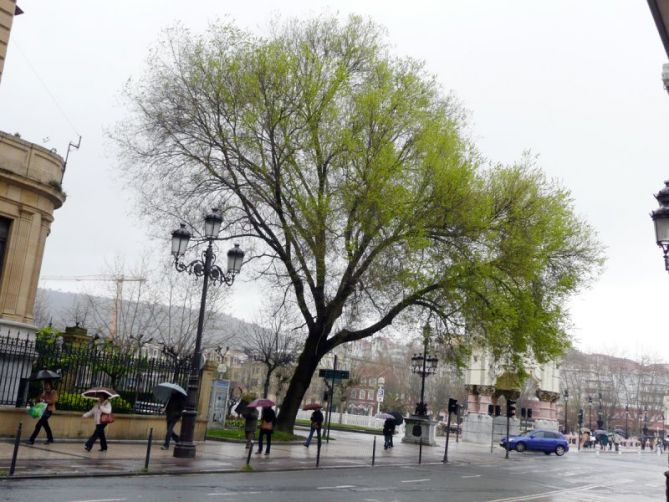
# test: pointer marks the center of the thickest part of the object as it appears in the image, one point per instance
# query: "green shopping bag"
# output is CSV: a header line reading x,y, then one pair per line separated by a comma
x,y
37,410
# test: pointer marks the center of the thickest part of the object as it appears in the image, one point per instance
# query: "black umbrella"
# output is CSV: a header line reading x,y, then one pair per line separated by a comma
x,y
46,375
397,416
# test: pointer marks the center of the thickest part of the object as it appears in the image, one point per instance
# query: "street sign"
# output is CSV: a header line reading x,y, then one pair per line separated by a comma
x,y
330,374
379,395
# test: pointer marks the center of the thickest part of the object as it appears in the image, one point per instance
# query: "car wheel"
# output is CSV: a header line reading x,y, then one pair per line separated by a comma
x,y
520,447
547,452
559,450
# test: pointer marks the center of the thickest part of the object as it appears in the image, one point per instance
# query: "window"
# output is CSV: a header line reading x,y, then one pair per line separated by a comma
x,y
354,394
5,224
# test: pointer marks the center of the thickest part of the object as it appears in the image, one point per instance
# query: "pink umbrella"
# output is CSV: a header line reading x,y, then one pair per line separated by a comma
x,y
261,403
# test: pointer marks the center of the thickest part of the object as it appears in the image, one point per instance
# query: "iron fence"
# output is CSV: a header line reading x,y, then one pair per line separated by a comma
x,y
82,367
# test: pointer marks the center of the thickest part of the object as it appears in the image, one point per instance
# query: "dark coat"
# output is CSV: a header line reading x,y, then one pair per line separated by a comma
x,y
317,419
250,419
175,406
389,427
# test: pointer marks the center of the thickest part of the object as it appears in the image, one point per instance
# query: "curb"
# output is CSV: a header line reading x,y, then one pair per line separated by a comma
x,y
206,471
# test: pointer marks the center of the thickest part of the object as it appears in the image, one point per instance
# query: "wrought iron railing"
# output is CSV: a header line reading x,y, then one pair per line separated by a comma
x,y
81,367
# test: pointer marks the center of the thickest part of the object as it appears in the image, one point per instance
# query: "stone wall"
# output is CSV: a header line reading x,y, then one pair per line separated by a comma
x,y
71,425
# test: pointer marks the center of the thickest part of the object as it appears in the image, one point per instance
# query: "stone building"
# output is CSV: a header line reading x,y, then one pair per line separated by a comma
x,y
488,384
30,192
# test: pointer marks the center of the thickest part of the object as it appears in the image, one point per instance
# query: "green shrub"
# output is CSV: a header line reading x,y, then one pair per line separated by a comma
x,y
76,402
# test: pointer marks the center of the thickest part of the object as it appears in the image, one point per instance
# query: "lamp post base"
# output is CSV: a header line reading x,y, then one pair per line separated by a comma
x,y
427,430
184,450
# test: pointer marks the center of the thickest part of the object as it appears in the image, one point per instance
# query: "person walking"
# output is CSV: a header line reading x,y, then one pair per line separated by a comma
x,y
317,419
267,421
250,425
102,407
50,397
388,431
173,410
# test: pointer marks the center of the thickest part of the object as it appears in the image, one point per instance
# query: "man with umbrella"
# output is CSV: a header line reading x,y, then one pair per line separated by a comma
x,y
316,424
173,410
50,397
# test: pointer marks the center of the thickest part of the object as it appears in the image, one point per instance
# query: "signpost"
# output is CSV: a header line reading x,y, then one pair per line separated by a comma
x,y
334,375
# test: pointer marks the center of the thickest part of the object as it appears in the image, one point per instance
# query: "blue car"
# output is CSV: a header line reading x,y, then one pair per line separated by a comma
x,y
538,440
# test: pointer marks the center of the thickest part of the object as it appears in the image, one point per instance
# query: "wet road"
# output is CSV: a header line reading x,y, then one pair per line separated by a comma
x,y
535,477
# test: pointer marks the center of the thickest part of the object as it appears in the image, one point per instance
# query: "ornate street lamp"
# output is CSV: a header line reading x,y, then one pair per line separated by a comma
x,y
423,365
209,271
661,219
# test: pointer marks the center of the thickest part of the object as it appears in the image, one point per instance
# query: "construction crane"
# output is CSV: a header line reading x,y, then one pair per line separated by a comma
x,y
118,279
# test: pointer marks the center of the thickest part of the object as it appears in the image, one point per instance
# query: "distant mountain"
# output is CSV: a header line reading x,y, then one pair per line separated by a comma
x,y
62,309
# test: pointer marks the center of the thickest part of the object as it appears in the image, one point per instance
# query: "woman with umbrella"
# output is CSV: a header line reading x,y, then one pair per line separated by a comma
x,y
101,412
267,421
50,397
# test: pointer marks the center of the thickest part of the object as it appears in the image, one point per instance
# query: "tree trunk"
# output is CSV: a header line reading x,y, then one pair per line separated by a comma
x,y
306,366
265,388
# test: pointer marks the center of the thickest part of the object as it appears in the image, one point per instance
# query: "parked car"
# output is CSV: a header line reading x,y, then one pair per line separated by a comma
x,y
538,440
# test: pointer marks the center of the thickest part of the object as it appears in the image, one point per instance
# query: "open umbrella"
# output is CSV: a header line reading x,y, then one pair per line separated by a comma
x,y
164,390
384,416
261,403
312,406
46,375
97,392
398,417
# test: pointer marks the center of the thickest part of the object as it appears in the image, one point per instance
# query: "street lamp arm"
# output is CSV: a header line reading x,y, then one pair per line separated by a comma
x,y
198,269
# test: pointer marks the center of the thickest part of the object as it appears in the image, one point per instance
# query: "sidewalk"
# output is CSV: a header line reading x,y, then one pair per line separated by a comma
x,y
68,458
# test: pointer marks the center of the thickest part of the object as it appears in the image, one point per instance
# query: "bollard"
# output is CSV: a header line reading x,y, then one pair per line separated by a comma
x,y
374,451
248,457
666,489
17,441
420,450
318,454
148,450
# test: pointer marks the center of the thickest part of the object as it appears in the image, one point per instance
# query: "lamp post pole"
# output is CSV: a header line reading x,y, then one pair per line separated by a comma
x,y
566,398
590,414
627,416
206,269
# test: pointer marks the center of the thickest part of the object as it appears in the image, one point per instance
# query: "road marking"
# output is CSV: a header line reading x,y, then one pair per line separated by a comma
x,y
546,494
99,500
339,487
474,476
415,480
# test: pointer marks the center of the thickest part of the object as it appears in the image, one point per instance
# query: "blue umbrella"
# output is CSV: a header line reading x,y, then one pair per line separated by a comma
x,y
164,390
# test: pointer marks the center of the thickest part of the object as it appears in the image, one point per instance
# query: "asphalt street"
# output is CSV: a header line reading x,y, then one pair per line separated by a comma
x,y
524,477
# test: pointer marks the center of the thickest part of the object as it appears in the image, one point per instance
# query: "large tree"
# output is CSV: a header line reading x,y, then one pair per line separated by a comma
x,y
351,172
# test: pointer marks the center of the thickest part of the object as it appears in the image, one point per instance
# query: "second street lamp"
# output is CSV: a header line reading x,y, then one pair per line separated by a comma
x,y
661,220
424,366
209,271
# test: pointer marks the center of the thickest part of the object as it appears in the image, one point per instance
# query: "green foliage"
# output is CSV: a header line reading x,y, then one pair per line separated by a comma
x,y
46,337
240,435
76,402
352,171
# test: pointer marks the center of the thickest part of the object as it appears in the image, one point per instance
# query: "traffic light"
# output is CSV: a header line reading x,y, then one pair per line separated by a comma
x,y
529,413
498,410
580,417
510,408
452,405
523,412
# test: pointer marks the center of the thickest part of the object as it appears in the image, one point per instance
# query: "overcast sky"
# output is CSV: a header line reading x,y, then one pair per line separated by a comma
x,y
575,82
